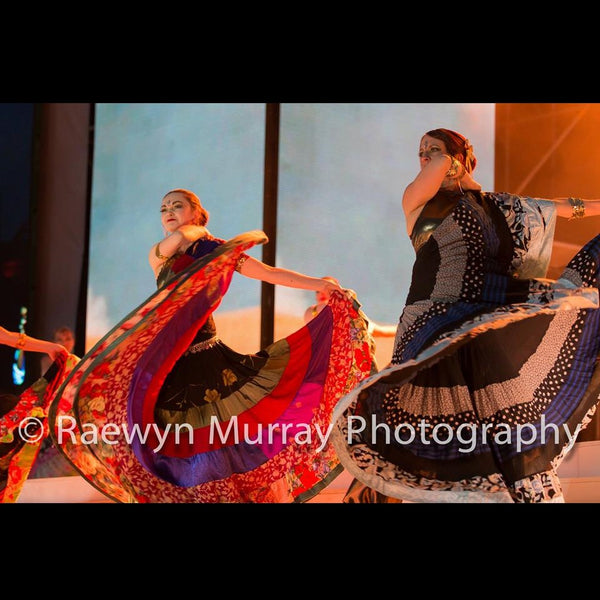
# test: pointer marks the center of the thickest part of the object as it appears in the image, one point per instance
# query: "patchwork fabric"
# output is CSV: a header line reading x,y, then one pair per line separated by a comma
x,y
493,373
190,419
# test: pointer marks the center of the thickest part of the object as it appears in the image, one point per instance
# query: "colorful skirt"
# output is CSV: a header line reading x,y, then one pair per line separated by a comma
x,y
484,403
247,428
24,428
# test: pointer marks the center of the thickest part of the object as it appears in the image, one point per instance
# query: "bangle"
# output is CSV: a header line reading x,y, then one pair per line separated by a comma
x,y
20,341
158,254
239,262
578,208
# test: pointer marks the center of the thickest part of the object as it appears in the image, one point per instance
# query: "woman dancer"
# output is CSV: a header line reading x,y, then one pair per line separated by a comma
x,y
494,367
221,426
23,426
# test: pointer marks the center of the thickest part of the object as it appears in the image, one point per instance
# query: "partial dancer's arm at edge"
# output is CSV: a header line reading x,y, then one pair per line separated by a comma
x,y
31,344
565,209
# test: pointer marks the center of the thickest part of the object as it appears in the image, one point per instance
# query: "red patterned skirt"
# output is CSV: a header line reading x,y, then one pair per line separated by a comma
x,y
258,431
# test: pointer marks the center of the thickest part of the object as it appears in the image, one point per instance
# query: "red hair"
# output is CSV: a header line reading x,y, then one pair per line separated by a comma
x,y
458,146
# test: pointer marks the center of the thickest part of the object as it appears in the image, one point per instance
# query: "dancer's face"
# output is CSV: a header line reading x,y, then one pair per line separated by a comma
x,y
429,147
175,211
66,339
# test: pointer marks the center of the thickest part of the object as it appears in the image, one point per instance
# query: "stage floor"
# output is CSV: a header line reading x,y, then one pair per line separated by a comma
x,y
579,474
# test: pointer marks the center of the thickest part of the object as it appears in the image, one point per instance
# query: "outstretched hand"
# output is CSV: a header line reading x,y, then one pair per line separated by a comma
x,y
328,287
54,350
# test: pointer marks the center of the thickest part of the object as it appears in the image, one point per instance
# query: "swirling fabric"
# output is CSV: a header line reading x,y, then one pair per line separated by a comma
x,y
258,430
494,369
25,427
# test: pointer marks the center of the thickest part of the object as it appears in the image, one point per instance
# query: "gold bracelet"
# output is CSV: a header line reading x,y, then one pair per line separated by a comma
x,y
158,254
21,341
578,208
240,261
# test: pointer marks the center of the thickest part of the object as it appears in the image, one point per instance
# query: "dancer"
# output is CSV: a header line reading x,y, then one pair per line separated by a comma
x,y
494,367
23,426
50,462
222,426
